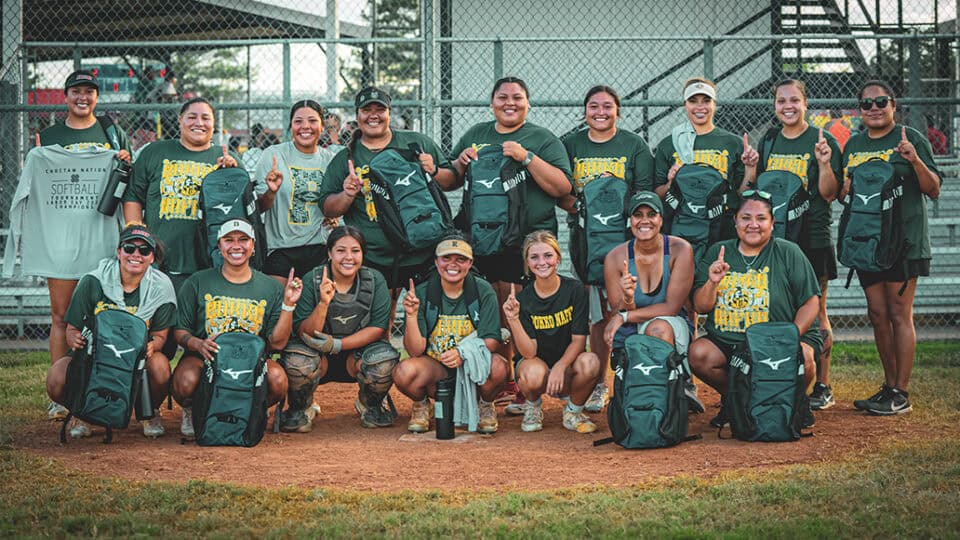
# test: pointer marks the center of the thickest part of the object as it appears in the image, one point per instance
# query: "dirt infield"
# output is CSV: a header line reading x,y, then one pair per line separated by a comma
x,y
338,453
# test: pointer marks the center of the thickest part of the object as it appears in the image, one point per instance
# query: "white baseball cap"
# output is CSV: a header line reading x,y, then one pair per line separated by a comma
x,y
241,225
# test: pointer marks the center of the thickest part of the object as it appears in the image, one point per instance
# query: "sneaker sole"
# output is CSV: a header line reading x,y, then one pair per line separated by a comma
x,y
487,431
512,410
531,429
305,428
825,406
890,413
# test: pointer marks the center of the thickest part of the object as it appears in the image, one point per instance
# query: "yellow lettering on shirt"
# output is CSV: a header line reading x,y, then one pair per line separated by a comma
x,y
449,330
793,163
743,299
857,158
180,188
227,314
717,159
586,169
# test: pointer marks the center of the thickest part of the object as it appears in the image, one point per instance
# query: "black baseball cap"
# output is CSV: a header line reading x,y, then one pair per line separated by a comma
x,y
645,198
372,94
81,77
138,231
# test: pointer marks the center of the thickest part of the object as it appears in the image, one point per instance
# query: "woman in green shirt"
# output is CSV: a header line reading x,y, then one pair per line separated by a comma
x,y
813,155
890,293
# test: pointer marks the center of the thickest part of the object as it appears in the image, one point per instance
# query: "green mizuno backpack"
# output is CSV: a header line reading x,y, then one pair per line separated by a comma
x,y
695,206
871,234
766,398
225,194
104,379
648,408
790,202
493,215
598,226
230,402
411,207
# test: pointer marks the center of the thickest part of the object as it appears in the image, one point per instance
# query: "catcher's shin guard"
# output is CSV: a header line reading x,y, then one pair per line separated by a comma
x,y
375,378
302,365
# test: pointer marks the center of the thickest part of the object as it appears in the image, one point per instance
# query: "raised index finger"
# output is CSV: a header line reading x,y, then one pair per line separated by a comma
x,y
903,133
290,276
513,290
410,288
820,137
720,256
626,268
225,153
746,141
274,163
350,164
324,276
38,139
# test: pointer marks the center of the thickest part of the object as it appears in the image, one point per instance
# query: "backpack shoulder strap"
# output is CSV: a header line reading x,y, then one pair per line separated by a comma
x,y
472,297
433,301
109,127
766,144
364,295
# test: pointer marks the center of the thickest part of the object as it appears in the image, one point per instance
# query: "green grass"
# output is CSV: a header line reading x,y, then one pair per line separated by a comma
x,y
906,488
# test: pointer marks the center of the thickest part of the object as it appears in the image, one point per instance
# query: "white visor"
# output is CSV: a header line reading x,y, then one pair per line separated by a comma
x,y
699,88
235,225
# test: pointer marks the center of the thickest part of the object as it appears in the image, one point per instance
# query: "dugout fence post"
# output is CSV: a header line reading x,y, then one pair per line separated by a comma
x,y
708,58
914,82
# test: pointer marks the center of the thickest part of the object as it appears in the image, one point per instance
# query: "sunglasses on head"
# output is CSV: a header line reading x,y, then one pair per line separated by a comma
x,y
881,101
142,248
757,194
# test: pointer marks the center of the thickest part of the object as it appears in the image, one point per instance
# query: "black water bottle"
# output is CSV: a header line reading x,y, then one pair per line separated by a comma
x,y
116,186
144,406
443,408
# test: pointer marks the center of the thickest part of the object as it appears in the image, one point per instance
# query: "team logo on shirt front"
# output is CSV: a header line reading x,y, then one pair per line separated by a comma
x,y
180,188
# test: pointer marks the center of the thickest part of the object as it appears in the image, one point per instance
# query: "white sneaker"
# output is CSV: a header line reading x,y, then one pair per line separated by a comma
x,y
152,428
80,429
597,399
56,411
186,422
577,421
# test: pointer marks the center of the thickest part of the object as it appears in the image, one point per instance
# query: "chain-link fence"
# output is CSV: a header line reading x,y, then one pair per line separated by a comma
x,y
439,59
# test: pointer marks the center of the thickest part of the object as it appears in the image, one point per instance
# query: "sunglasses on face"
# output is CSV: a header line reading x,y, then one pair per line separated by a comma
x,y
881,101
142,248
757,194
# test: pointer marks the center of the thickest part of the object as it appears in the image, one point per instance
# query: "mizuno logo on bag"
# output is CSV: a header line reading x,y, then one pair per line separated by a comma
x,y
224,208
775,364
646,369
865,199
344,320
235,374
696,208
405,181
777,207
604,219
489,183
116,352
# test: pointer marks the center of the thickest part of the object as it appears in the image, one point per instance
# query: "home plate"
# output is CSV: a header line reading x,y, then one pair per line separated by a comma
x,y
431,437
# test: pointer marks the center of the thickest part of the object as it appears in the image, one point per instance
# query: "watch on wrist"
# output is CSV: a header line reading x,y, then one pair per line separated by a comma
x,y
285,307
624,315
526,161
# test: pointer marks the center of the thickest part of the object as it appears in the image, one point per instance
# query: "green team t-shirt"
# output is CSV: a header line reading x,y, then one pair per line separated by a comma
x,y
78,140
88,299
797,156
554,320
454,323
861,147
209,305
719,149
295,219
166,182
362,213
626,156
540,206
771,287
380,316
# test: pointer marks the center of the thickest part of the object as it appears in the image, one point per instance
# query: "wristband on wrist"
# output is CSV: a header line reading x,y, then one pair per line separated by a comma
x,y
526,161
624,315
337,346
285,307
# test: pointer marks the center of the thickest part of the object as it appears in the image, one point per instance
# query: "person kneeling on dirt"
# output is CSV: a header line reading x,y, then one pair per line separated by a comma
x,y
126,282
232,298
549,324
441,312
751,279
343,320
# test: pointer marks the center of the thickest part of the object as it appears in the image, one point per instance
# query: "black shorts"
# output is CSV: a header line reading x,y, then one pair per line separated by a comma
x,y
824,261
506,267
302,259
729,350
337,369
404,274
899,273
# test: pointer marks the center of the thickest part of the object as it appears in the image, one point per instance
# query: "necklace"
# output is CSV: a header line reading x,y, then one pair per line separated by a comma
x,y
748,264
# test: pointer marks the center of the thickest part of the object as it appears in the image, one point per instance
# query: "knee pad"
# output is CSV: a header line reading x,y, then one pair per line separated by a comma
x,y
302,366
376,366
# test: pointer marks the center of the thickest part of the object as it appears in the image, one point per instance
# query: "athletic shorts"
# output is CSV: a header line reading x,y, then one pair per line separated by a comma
x,y
898,274
417,272
302,259
824,262
728,350
506,267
